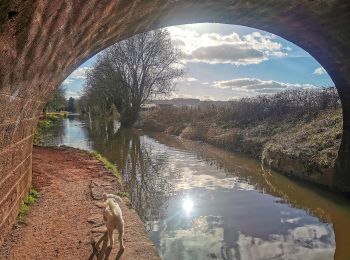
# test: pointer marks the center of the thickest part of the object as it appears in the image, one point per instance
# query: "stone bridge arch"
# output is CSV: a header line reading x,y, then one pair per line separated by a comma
x,y
43,41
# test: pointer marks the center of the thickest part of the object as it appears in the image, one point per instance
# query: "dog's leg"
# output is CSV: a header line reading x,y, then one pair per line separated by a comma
x,y
121,236
110,237
121,243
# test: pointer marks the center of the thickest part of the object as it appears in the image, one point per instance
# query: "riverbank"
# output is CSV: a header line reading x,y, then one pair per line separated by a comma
x,y
300,145
67,215
46,121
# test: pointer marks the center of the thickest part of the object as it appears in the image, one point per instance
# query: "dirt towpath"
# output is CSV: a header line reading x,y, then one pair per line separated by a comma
x,y
66,216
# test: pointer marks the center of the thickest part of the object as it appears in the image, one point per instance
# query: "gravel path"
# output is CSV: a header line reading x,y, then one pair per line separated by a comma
x,y
67,215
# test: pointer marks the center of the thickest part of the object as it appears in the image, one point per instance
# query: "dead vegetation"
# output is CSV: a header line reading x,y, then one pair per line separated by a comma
x,y
303,125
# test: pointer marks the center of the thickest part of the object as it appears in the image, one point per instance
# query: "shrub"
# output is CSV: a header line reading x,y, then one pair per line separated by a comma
x,y
295,103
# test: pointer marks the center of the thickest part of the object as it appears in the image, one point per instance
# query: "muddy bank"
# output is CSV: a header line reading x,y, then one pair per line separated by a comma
x,y
67,215
302,147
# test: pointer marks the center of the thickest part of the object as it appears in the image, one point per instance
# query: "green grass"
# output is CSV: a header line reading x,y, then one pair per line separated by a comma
x,y
108,165
112,168
28,200
57,114
123,194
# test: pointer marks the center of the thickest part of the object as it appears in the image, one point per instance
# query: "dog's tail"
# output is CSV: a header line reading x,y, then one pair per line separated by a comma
x,y
117,198
112,196
111,206
109,196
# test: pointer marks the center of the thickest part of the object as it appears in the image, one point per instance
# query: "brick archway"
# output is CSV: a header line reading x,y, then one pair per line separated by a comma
x,y
43,41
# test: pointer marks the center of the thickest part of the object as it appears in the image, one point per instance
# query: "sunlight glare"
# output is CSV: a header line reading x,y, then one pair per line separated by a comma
x,y
187,205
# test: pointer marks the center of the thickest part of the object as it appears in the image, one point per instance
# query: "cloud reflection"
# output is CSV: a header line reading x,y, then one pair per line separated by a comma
x,y
205,241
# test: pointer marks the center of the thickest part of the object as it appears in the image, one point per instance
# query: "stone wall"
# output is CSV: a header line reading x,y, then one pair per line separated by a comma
x,y
43,41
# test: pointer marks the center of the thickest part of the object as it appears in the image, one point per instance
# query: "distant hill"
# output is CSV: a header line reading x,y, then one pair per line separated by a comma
x,y
190,102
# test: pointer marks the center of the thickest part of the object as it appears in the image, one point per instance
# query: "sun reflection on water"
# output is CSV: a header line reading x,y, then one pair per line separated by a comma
x,y
187,206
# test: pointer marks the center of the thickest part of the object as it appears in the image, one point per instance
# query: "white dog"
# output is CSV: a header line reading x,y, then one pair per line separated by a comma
x,y
113,217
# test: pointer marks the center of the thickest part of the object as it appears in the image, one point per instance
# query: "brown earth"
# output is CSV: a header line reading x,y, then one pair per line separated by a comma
x,y
68,214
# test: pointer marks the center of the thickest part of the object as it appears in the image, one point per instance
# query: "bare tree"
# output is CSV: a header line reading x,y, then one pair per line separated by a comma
x,y
128,73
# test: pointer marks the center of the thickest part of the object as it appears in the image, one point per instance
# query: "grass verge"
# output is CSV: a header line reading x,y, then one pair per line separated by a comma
x,y
28,200
108,165
111,167
57,114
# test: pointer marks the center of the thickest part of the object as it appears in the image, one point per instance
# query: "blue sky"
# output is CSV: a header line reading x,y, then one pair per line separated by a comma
x,y
225,62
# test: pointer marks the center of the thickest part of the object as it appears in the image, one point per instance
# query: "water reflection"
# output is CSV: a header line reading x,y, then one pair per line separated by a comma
x,y
200,202
149,191
69,132
187,206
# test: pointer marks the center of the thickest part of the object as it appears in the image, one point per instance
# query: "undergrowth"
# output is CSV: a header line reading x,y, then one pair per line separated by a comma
x,y
45,123
28,200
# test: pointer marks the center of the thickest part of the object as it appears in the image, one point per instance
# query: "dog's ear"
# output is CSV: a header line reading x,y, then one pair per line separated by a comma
x,y
105,196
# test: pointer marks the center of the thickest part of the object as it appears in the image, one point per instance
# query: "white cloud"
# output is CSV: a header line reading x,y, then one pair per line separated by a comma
x,y
177,95
191,79
200,97
226,53
234,49
258,86
67,81
78,74
319,71
73,94
187,79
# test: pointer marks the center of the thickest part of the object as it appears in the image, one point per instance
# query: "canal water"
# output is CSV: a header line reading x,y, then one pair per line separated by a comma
x,y
201,202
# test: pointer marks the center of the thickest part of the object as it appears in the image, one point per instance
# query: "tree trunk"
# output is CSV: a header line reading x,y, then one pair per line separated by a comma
x,y
129,117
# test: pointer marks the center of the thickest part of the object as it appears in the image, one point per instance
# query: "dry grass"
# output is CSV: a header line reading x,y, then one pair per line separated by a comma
x,y
309,133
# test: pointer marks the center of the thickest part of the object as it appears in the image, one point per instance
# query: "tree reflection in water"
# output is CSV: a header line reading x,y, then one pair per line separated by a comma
x,y
54,135
149,190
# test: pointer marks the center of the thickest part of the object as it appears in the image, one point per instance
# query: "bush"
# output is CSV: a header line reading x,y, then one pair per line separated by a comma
x,y
295,103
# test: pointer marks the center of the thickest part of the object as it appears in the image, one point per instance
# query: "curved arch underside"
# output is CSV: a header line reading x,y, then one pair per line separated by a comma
x,y
42,42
